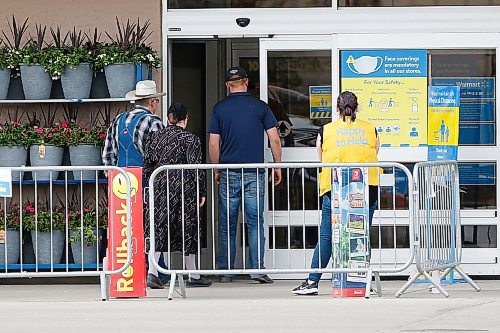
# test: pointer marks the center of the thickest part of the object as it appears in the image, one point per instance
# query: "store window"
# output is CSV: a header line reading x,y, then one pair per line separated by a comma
x,y
291,194
474,71
416,3
197,4
478,189
291,74
297,237
479,236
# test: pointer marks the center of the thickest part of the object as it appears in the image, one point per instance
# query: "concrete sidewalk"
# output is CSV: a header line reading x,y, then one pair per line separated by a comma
x,y
244,306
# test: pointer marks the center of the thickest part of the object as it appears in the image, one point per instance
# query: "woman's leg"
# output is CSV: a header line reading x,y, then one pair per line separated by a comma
x,y
190,261
323,250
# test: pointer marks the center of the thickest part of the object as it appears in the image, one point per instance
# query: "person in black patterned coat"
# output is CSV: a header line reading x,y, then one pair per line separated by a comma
x,y
175,145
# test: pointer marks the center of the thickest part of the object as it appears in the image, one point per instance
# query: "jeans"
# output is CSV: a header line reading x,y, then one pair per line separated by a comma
x,y
325,236
231,183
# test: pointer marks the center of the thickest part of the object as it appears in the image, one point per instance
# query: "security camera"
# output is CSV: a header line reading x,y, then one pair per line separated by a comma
x,y
242,21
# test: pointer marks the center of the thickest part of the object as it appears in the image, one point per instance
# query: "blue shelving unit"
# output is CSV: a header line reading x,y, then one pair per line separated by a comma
x,y
60,182
32,267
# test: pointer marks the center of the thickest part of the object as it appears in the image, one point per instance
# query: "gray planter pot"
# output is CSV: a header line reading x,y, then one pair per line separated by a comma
x,y
76,82
4,82
14,156
37,83
89,251
41,243
85,155
53,157
15,88
120,79
11,243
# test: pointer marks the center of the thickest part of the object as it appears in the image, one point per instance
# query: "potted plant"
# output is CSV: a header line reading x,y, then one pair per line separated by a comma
x,y
14,42
116,59
143,54
46,149
86,230
47,231
6,65
59,41
99,87
14,141
77,76
9,235
40,64
84,147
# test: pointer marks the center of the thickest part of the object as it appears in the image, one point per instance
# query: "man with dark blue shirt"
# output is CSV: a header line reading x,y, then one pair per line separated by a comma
x,y
237,136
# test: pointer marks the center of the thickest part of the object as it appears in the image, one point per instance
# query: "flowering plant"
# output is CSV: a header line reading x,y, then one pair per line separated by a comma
x,y
85,221
117,54
7,58
55,135
14,134
146,54
43,219
51,58
80,135
12,218
113,54
76,55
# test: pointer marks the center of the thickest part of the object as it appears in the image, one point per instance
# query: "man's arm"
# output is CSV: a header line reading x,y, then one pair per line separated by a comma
x,y
214,152
318,147
275,141
213,147
110,151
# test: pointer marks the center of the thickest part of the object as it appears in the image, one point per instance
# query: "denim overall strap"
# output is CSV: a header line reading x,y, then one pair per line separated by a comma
x,y
128,155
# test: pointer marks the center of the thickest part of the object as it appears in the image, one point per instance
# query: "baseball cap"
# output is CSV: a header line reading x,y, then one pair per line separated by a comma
x,y
235,73
178,110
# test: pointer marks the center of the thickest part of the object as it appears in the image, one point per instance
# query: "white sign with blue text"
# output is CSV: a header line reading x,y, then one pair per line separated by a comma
x,y
5,183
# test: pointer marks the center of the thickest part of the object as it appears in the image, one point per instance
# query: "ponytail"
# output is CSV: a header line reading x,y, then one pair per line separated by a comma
x,y
347,102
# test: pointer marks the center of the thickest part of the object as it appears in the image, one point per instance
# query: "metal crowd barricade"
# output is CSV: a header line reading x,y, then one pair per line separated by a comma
x,y
438,234
295,256
64,210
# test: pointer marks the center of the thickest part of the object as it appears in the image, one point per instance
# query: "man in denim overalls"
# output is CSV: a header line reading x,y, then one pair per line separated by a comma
x,y
128,134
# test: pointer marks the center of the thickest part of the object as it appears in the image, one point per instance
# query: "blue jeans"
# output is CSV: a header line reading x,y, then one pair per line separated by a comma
x,y
325,236
231,183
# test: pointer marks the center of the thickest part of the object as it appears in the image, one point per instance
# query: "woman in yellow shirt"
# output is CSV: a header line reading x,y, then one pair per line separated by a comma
x,y
346,140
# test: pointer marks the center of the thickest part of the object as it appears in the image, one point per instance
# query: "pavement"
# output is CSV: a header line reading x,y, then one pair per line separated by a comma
x,y
246,306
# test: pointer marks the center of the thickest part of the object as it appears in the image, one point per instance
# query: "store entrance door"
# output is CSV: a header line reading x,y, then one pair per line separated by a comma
x,y
296,82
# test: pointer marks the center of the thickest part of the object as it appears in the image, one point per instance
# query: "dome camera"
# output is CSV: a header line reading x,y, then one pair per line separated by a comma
x,y
242,21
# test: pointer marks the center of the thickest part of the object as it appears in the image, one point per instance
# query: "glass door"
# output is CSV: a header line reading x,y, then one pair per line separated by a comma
x,y
296,82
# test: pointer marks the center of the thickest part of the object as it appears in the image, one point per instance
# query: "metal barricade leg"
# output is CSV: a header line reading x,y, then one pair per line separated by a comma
x,y
368,283
435,284
378,283
182,284
172,286
467,278
104,287
407,285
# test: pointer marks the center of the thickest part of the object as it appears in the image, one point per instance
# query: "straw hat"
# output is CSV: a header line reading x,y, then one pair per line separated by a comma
x,y
144,89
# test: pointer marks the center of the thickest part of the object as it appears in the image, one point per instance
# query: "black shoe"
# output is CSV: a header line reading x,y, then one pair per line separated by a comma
x,y
153,282
225,279
263,279
166,280
306,289
201,282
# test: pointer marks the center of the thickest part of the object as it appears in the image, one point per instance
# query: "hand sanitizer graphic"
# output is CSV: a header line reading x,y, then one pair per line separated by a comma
x,y
414,105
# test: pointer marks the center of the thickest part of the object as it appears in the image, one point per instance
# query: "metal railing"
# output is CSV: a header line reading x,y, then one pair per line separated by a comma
x,y
292,220
438,235
64,210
